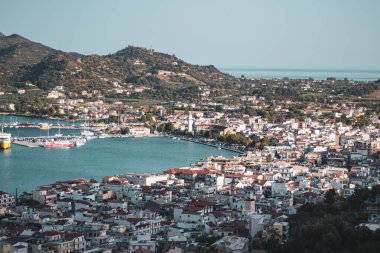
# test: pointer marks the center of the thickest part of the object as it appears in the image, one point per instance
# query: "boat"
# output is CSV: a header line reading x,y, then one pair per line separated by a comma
x,y
59,144
44,126
80,142
59,131
102,136
88,134
5,140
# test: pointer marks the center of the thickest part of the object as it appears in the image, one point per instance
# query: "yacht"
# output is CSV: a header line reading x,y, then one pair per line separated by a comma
x,y
88,134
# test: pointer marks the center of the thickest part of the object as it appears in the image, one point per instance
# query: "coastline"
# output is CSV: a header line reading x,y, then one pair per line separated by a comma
x,y
199,141
193,139
303,74
17,114
97,158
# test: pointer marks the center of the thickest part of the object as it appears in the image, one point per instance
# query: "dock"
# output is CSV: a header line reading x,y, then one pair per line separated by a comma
x,y
27,144
47,138
37,142
50,126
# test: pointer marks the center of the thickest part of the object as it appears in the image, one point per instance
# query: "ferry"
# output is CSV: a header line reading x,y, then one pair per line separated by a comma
x,y
5,140
59,144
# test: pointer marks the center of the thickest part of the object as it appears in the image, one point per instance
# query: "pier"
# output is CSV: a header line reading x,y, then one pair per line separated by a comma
x,y
28,144
39,141
39,126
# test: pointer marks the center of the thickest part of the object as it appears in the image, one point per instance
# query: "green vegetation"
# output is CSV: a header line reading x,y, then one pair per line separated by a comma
x,y
166,127
327,227
165,78
259,143
237,138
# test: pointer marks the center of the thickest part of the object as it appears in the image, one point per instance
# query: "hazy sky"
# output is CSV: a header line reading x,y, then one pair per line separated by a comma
x,y
303,34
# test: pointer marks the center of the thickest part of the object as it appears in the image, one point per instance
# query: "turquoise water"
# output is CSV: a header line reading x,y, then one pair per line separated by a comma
x,y
22,132
12,119
357,75
25,168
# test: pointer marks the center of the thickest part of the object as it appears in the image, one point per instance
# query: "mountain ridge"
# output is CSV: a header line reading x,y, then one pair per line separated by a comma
x,y
25,61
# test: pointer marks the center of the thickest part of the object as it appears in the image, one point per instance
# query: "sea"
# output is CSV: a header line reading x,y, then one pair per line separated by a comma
x,y
25,168
356,75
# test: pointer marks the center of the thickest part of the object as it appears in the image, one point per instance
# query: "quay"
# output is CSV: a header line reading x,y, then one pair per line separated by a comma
x,y
46,138
39,141
38,126
206,143
28,144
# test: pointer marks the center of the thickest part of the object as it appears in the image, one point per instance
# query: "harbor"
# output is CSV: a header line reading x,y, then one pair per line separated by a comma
x,y
52,134
40,141
29,162
86,131
99,156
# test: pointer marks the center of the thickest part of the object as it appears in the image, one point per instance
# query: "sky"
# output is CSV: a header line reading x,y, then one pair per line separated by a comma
x,y
279,34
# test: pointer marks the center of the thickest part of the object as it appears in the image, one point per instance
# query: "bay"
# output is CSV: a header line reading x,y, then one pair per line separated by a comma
x,y
14,119
26,168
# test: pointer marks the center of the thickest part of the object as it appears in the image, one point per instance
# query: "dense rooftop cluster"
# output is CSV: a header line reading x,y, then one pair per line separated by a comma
x,y
307,177
217,203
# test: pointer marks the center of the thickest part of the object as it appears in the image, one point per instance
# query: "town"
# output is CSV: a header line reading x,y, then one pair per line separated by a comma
x,y
189,126
217,204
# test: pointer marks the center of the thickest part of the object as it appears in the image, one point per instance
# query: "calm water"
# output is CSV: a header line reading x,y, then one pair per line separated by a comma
x,y
26,168
11,119
357,75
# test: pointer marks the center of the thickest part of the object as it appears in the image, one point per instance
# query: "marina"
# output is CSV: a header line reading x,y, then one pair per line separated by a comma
x,y
83,132
110,155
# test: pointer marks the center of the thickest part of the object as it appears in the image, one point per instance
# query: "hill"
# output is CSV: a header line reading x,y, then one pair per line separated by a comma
x,y
24,61
17,51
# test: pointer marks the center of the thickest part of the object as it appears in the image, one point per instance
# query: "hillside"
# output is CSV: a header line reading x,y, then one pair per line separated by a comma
x,y
141,74
17,51
23,61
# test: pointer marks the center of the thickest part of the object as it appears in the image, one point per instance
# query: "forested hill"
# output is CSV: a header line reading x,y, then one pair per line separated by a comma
x,y
25,64
22,60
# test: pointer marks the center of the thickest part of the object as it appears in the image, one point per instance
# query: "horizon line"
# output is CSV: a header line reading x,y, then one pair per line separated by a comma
x,y
301,69
296,69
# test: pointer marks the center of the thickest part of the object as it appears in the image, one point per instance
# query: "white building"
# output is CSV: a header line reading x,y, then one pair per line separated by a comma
x,y
144,178
233,244
142,242
6,200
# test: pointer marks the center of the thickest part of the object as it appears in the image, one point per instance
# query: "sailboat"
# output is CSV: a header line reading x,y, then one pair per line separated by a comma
x,y
59,131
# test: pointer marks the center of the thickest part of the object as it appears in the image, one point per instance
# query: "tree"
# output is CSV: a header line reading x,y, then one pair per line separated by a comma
x,y
330,196
208,135
169,127
264,142
219,108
